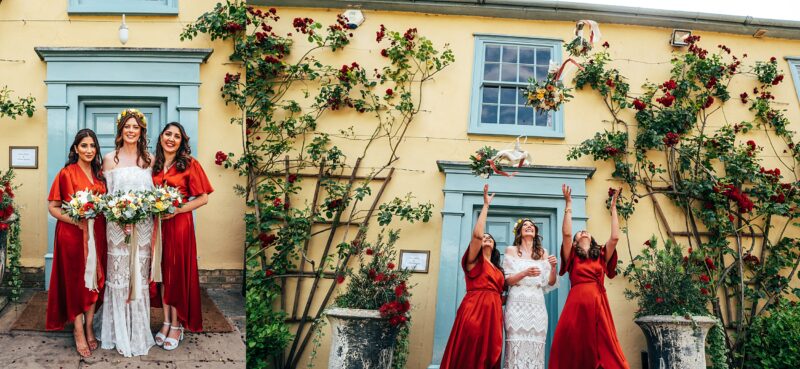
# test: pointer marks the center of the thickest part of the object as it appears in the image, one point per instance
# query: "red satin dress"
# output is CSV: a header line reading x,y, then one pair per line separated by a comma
x,y
68,297
585,337
476,340
179,254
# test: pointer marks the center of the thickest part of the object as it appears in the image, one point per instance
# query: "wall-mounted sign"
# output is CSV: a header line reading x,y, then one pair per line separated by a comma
x,y
23,157
414,260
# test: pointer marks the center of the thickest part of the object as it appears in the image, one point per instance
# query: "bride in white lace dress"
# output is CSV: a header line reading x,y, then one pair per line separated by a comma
x,y
530,273
125,316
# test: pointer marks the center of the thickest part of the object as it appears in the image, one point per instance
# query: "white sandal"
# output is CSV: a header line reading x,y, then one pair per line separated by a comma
x,y
160,337
173,343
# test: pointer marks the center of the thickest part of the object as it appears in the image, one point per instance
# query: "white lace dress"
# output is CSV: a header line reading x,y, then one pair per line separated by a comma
x,y
526,315
126,325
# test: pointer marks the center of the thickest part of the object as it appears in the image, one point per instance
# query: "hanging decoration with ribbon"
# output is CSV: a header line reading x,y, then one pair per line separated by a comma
x,y
155,263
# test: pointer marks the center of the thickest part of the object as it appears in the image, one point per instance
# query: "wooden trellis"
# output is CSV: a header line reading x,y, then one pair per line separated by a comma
x,y
305,319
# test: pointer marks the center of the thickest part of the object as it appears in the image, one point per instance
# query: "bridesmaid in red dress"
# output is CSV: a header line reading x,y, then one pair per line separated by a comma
x,y
476,339
68,299
585,337
180,290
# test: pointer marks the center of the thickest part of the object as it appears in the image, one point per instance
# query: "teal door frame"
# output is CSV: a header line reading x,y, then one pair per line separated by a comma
x,y
80,76
535,190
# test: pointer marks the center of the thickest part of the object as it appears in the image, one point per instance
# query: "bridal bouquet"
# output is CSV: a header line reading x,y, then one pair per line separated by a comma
x,y
161,200
84,205
479,161
164,200
126,208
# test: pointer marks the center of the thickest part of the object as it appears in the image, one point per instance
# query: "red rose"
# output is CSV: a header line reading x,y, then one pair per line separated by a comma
x,y
705,278
711,82
752,145
610,83
339,279
220,157
666,100
384,53
743,97
400,289
390,266
647,243
606,45
648,286
277,203
268,272
176,203
380,277
659,300
638,104
777,79
670,85
369,252
389,92
773,59
671,139
266,239
709,102
371,273
704,291
3,227
710,264
292,178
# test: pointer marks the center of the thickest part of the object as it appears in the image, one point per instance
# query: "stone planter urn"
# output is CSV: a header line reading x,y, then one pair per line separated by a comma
x,y
361,339
676,342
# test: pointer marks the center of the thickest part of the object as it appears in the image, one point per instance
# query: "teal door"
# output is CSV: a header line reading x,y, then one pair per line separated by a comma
x,y
102,119
501,226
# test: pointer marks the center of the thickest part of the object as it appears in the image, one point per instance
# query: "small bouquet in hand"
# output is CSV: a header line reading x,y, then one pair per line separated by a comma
x,y
84,205
164,200
125,209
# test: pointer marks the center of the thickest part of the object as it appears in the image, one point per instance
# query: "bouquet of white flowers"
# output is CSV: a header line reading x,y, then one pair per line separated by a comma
x,y
161,201
84,207
126,208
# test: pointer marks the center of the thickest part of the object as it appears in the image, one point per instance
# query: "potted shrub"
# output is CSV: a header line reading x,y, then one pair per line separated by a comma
x,y
673,293
368,316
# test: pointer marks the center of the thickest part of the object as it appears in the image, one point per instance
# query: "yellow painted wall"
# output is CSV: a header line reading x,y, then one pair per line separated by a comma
x,y
440,133
39,23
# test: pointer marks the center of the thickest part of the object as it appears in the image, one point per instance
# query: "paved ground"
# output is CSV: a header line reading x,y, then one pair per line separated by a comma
x,y
31,350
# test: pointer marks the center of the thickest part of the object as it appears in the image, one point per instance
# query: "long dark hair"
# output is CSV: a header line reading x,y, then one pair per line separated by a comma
x,y
538,251
495,259
184,155
97,162
594,248
141,144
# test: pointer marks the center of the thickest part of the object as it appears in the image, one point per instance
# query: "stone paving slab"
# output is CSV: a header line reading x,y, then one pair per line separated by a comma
x,y
34,350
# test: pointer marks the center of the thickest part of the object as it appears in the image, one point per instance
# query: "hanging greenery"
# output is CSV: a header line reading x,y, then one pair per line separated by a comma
x,y
10,231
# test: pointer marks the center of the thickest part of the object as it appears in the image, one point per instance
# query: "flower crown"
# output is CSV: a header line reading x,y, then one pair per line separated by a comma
x,y
132,112
520,221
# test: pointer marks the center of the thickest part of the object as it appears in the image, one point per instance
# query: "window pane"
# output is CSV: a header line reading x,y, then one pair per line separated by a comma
x,y
510,54
507,114
543,119
526,55
541,73
525,72
490,94
508,95
509,73
493,53
491,72
488,113
542,56
525,116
